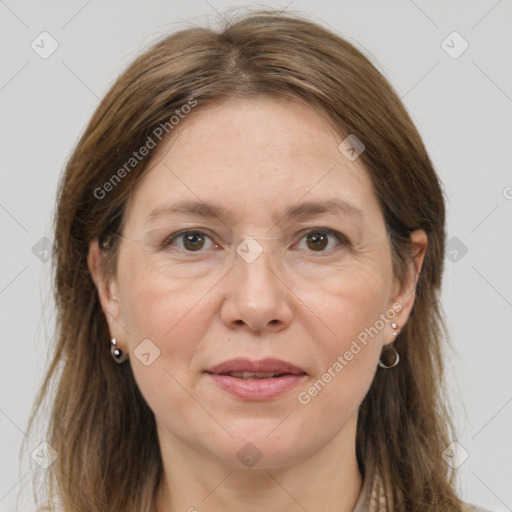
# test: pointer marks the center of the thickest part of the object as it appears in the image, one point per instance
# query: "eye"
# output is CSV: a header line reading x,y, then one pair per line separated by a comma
x,y
318,239
192,240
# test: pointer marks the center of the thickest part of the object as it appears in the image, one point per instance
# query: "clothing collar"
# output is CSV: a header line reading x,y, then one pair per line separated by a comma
x,y
373,496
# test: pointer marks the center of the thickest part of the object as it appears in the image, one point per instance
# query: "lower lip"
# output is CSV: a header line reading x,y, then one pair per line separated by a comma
x,y
257,389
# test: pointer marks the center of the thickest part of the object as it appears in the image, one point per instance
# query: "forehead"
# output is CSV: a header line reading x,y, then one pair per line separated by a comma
x,y
254,157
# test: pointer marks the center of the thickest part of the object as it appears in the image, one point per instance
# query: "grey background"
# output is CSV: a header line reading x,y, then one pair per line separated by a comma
x,y
462,107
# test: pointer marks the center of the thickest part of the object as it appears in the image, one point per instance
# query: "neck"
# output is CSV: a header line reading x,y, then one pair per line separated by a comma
x,y
328,479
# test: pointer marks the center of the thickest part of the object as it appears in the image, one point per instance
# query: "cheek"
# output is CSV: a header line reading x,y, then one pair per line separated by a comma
x,y
158,306
175,315
172,316
349,302
352,313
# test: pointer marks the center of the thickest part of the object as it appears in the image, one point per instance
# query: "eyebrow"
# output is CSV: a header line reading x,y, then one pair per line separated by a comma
x,y
208,210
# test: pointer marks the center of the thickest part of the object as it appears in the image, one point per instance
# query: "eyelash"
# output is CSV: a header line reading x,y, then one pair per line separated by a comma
x,y
326,231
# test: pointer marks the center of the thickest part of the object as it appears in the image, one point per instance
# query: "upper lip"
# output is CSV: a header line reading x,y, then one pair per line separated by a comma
x,y
263,366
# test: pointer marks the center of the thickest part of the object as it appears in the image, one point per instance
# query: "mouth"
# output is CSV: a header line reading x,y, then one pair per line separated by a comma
x,y
246,368
256,380
254,375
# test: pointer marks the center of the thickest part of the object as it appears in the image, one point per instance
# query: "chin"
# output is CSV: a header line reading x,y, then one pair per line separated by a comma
x,y
259,447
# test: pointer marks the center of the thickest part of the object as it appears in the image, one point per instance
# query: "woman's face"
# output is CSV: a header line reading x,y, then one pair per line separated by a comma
x,y
294,267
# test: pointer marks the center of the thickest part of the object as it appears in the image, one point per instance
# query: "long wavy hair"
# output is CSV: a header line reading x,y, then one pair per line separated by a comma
x,y
99,423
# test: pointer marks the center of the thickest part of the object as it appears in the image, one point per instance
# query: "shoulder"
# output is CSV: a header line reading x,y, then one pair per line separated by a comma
x,y
467,507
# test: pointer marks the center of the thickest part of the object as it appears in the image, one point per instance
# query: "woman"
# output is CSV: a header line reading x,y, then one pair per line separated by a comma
x,y
249,249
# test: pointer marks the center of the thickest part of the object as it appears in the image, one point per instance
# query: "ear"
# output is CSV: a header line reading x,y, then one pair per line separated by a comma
x,y
107,289
404,294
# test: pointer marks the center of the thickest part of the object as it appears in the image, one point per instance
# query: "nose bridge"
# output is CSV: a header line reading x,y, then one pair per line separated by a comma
x,y
253,246
258,297
258,255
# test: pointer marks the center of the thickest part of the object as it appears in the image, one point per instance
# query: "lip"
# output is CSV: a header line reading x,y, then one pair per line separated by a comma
x,y
256,389
264,365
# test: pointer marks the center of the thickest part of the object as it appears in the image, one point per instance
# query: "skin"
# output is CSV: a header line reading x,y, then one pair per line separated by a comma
x,y
295,302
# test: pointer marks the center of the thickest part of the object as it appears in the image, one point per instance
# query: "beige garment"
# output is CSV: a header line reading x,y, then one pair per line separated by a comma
x,y
372,497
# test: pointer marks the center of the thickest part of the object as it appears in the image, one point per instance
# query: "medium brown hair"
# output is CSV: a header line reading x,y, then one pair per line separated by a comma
x,y
100,425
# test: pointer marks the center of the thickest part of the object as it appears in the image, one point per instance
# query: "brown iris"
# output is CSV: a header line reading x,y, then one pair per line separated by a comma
x,y
317,240
193,241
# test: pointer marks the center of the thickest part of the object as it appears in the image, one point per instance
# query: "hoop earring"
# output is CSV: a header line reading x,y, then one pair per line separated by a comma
x,y
390,351
116,352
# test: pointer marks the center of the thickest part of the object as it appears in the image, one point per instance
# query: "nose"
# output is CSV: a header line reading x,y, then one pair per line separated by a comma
x,y
257,297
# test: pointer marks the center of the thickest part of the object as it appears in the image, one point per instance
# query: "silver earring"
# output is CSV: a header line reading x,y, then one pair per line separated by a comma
x,y
116,352
391,356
